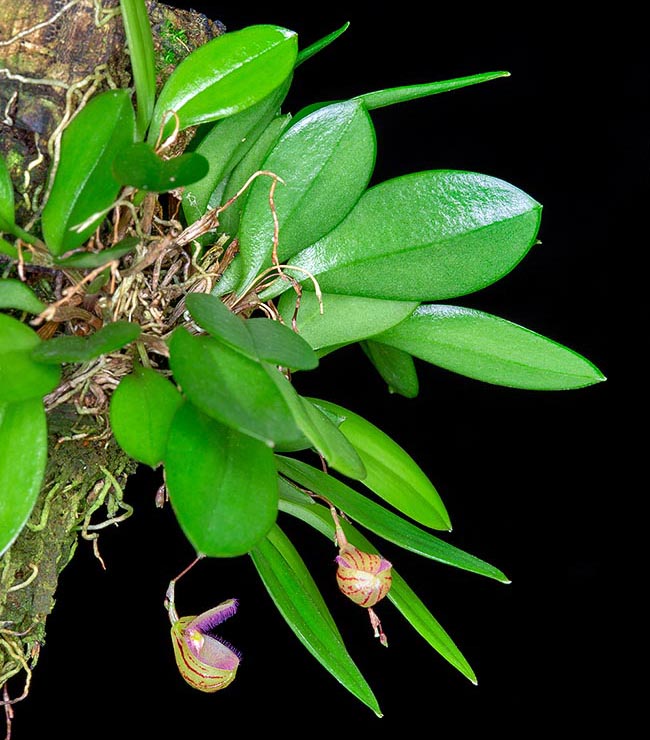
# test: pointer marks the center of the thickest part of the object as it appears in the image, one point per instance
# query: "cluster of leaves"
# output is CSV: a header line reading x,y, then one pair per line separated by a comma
x,y
364,264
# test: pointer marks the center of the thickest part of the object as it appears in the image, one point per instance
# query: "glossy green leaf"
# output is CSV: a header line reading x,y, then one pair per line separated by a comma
x,y
382,98
138,165
142,408
325,161
15,294
392,473
9,249
224,146
84,187
345,319
321,44
292,589
290,494
109,338
91,260
230,387
21,377
225,76
23,455
324,435
425,236
143,62
397,368
222,484
7,218
400,594
490,349
382,522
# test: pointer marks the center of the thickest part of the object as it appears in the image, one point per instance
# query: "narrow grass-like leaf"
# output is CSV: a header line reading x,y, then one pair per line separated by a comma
x,y
297,598
325,162
15,294
22,378
225,76
23,455
490,349
321,44
382,522
143,63
141,412
84,187
109,338
139,166
231,387
400,594
424,236
382,98
91,260
222,484
345,319
392,473
7,218
396,367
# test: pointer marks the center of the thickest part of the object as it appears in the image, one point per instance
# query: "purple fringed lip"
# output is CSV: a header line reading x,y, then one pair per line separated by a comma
x,y
211,619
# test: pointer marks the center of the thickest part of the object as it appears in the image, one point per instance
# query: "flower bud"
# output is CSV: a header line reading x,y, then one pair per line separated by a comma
x,y
363,577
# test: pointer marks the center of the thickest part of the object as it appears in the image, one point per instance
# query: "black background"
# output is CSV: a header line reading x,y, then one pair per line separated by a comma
x,y
528,478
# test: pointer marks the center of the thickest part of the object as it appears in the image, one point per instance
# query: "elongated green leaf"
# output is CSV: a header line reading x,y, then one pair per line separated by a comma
x,y
425,236
23,454
382,98
490,349
14,294
345,319
109,338
22,378
226,75
297,598
321,44
91,260
84,187
392,473
383,522
321,431
7,218
290,494
142,408
400,594
139,166
325,161
9,249
143,63
230,387
222,484
224,146
397,368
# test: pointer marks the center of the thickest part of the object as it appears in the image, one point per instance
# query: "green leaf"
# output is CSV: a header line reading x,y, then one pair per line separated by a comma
x,y
382,98
84,188
397,368
490,349
142,408
321,44
400,594
230,387
259,339
325,161
143,63
392,473
9,249
222,484
298,599
383,522
109,338
23,455
224,146
7,218
425,236
324,435
345,319
225,76
22,378
92,260
15,294
139,166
